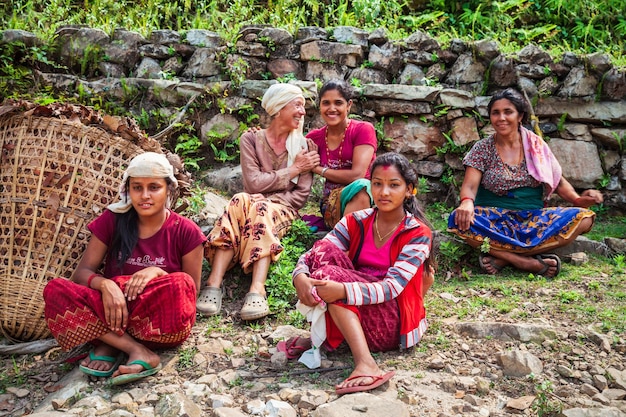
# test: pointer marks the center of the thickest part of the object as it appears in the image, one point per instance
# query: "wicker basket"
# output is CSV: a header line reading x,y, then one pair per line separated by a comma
x,y
55,176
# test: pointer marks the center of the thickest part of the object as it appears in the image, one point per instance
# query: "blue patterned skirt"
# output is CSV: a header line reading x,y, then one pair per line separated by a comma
x,y
520,231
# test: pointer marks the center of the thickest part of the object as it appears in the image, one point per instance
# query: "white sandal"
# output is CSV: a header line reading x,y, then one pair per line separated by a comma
x,y
209,301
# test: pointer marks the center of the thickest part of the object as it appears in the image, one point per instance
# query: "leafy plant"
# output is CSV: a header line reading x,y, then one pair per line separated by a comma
x,y
187,146
449,147
185,357
384,142
604,180
569,296
196,200
355,82
546,404
620,262
422,185
560,126
237,71
290,76
451,253
485,247
621,140
280,291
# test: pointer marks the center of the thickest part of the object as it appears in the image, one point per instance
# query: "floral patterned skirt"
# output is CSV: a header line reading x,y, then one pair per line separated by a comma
x,y
253,229
520,231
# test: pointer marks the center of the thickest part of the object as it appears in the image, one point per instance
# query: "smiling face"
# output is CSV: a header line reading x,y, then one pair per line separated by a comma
x,y
291,114
148,195
334,107
504,117
389,188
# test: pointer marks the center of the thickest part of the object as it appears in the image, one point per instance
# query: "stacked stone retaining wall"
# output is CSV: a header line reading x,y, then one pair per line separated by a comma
x,y
427,101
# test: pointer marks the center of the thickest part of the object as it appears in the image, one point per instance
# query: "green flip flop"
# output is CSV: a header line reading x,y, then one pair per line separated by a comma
x,y
116,361
126,378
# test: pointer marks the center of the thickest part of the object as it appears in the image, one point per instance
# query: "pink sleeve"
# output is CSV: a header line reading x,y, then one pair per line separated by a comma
x,y
365,135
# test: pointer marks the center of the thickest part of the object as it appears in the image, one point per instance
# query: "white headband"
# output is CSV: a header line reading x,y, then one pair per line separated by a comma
x,y
146,165
275,98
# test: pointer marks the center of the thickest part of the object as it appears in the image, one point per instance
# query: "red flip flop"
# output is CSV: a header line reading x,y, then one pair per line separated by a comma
x,y
378,380
291,348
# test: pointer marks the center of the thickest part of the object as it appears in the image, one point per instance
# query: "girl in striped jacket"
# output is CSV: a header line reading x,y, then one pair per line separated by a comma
x,y
372,271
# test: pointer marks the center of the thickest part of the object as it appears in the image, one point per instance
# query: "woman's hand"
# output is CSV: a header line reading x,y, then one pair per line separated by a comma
x,y
588,198
312,146
464,217
306,160
138,281
330,291
115,307
304,284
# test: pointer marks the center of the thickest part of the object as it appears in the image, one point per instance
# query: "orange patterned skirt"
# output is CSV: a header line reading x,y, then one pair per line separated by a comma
x,y
253,229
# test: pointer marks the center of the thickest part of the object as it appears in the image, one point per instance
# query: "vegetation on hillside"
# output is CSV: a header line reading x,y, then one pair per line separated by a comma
x,y
558,25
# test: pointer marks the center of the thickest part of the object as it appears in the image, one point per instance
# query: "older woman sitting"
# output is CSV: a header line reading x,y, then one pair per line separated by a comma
x,y
277,177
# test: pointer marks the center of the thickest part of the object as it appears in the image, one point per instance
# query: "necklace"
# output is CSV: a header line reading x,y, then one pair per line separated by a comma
x,y
520,158
343,137
381,238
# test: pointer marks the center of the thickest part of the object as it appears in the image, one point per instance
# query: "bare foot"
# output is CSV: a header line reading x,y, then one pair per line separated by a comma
x,y
143,354
102,350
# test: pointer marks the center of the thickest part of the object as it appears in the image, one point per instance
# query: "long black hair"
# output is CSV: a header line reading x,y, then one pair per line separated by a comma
x,y
411,204
516,98
126,233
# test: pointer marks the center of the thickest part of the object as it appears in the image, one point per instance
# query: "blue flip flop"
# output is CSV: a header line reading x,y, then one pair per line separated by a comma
x,y
115,361
126,378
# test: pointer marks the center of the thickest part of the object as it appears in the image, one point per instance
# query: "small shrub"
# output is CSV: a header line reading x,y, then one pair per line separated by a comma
x,y
281,294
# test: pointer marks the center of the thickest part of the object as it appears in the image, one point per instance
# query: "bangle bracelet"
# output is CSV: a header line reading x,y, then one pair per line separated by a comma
x,y
91,277
324,171
467,198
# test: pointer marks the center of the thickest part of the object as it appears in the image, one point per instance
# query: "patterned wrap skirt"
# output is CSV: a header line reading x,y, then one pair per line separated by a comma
x,y
520,231
162,316
380,322
252,229
334,204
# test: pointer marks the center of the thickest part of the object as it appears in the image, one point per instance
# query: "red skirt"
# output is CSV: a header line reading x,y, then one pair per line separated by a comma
x,y
161,317
380,322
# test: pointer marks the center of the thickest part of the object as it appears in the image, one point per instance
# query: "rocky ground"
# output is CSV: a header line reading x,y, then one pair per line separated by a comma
x,y
491,365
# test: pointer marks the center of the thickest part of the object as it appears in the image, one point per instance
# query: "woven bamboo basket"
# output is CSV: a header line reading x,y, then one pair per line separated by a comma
x,y
56,175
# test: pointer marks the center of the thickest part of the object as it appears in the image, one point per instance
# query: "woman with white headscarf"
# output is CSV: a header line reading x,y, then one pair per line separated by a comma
x,y
135,286
276,165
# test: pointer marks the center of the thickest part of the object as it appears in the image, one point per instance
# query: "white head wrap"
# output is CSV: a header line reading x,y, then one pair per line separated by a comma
x,y
146,165
275,98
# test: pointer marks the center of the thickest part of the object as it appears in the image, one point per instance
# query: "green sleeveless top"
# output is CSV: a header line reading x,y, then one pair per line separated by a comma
x,y
523,198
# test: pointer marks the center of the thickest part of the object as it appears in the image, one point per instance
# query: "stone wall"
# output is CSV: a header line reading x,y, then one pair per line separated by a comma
x,y
427,101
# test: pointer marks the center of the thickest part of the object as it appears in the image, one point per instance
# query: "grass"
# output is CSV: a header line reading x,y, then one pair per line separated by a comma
x,y
589,295
608,226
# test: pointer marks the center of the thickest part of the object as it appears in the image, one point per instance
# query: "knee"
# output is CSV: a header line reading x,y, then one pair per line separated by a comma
x,y
53,287
586,225
363,198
